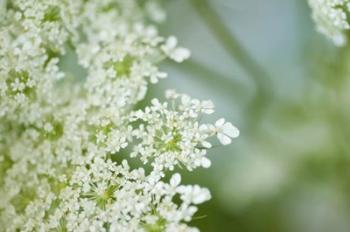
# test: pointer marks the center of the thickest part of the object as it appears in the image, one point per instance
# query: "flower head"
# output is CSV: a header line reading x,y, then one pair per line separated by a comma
x,y
62,132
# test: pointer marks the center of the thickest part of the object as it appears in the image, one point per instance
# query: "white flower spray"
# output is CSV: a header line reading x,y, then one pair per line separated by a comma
x,y
332,18
67,144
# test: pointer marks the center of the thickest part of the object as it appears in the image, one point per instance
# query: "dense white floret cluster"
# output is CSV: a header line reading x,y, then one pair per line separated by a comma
x,y
332,18
69,142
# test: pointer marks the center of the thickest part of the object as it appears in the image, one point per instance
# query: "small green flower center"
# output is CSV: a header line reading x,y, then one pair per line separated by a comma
x,y
122,67
102,199
52,14
20,78
22,200
171,145
158,226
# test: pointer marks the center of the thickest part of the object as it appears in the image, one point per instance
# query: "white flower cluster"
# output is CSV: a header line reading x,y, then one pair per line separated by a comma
x,y
332,18
66,142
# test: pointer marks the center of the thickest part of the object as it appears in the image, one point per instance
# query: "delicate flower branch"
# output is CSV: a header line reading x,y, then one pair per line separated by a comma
x,y
59,137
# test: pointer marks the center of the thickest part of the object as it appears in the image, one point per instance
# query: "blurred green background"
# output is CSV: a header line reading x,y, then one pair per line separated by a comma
x,y
290,168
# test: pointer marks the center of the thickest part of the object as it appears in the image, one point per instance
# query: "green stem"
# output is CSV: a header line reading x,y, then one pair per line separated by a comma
x,y
226,84
236,51
3,4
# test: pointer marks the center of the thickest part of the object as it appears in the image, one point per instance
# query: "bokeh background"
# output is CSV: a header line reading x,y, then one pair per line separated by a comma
x,y
290,168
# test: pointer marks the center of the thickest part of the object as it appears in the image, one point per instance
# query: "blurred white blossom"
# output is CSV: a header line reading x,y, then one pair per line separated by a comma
x,y
331,17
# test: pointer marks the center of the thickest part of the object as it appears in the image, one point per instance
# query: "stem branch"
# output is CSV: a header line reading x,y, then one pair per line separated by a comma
x,y
236,51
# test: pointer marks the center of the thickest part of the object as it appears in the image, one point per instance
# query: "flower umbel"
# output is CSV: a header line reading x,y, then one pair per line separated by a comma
x,y
66,138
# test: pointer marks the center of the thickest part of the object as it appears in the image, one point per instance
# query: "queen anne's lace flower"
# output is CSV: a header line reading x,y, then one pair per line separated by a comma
x,y
65,140
332,18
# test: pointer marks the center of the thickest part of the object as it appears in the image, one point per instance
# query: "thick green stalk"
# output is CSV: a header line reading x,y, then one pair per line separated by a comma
x,y
241,55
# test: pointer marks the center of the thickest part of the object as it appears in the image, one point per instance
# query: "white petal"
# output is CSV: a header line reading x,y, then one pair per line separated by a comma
x,y
220,122
224,139
185,99
170,93
230,130
162,75
180,54
206,163
201,195
206,144
154,79
203,127
208,107
171,42
175,180
155,102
